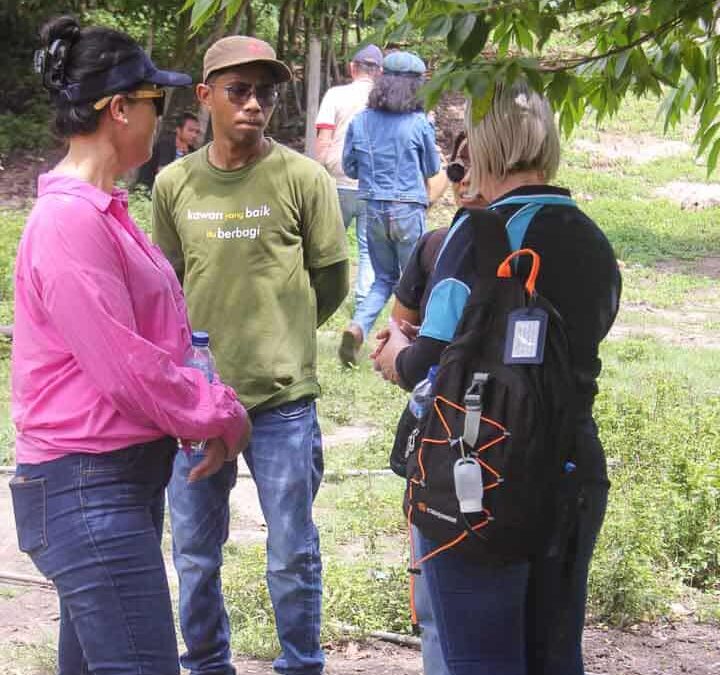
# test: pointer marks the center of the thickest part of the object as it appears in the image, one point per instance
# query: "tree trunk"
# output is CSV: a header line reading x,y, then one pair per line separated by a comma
x,y
344,47
294,26
282,29
313,67
238,21
297,90
150,34
329,49
280,118
250,26
337,76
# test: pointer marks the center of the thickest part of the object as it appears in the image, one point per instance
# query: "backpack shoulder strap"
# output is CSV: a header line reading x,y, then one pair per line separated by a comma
x,y
491,243
516,227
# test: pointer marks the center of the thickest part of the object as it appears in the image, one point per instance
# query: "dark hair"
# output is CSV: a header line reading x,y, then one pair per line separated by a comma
x,y
186,117
396,93
83,52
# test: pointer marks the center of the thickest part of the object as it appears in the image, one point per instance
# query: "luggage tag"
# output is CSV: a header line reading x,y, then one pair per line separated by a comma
x,y
525,336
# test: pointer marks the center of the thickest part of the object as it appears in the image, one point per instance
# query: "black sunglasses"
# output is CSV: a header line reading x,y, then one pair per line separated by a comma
x,y
239,93
455,171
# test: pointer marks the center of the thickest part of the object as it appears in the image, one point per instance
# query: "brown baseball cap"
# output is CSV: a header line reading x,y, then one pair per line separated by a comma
x,y
237,50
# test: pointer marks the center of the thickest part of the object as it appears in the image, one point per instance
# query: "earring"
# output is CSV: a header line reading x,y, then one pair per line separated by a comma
x,y
125,120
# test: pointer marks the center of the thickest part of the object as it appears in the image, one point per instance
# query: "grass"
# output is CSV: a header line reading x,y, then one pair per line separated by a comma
x,y
643,284
657,412
362,510
637,117
19,658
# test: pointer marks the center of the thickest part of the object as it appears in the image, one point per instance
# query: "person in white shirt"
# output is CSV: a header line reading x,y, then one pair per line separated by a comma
x,y
338,107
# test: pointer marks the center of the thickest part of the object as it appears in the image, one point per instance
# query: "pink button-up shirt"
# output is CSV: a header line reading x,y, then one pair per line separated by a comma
x,y
101,333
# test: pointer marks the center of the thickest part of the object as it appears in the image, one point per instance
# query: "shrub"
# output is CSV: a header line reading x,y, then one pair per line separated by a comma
x,y
28,131
663,523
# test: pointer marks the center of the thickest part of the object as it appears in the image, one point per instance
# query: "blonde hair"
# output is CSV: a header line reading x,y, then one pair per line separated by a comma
x,y
517,134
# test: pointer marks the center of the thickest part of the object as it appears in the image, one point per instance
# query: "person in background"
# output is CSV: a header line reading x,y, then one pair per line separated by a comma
x,y
168,149
338,107
515,152
99,391
390,148
412,291
254,231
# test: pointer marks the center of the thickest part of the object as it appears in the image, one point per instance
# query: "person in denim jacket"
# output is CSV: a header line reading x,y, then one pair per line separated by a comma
x,y
390,148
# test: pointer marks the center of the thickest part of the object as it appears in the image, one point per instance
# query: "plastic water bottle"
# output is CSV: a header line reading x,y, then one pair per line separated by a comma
x,y
422,395
201,357
468,485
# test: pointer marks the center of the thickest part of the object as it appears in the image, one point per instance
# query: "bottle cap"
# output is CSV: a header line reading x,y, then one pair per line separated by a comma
x,y
432,373
200,339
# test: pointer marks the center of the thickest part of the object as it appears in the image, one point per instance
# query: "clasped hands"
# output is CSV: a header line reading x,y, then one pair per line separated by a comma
x,y
391,341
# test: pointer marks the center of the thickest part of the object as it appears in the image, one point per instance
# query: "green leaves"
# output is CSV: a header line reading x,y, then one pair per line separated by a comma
x,y
202,10
475,41
439,27
462,28
586,55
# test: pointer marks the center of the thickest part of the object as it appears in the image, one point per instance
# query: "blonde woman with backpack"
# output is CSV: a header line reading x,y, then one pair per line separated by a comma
x,y
525,617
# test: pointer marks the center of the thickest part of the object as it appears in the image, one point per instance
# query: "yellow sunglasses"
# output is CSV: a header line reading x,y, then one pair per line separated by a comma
x,y
156,95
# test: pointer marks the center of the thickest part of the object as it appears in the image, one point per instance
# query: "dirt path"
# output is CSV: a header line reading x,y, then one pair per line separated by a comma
x,y
29,623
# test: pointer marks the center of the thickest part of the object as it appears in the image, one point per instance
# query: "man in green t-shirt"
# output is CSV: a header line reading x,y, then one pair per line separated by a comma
x,y
255,234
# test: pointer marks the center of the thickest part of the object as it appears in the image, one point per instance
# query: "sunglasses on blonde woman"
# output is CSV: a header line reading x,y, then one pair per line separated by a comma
x,y
456,168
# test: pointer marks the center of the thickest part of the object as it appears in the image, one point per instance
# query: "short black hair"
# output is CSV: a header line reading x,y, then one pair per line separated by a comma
x,y
396,93
87,51
186,117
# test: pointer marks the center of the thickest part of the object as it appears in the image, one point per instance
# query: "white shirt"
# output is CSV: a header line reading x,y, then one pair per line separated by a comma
x,y
338,107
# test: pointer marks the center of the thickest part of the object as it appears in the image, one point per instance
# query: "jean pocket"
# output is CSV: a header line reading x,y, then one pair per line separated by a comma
x,y
29,499
294,410
115,462
406,222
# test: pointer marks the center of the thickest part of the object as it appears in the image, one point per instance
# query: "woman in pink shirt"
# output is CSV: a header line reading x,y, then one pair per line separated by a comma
x,y
98,385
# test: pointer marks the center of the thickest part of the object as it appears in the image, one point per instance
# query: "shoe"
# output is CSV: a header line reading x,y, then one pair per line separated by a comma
x,y
350,345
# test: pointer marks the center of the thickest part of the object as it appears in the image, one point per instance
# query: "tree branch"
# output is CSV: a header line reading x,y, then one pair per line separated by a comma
x,y
581,61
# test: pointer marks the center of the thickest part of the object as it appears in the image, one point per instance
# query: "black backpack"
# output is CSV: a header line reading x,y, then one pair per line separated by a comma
x,y
515,418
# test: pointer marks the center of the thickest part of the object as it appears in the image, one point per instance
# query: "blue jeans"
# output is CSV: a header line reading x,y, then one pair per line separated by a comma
x,y
393,230
556,592
433,659
200,519
354,207
92,524
285,459
479,612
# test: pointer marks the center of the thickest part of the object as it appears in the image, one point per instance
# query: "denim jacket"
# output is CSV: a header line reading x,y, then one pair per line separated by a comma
x,y
391,154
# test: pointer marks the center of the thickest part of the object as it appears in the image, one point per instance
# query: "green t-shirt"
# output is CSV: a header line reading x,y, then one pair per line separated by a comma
x,y
242,243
